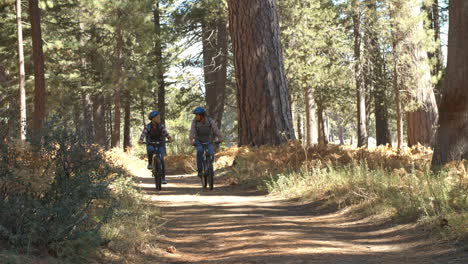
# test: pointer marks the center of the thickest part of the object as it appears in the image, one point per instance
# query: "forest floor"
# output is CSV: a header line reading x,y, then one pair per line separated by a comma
x,y
235,224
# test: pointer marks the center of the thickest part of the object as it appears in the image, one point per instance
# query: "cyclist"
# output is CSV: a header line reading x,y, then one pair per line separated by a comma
x,y
153,132
203,130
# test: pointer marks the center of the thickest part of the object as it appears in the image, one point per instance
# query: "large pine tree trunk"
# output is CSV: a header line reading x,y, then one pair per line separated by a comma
x,y
214,39
264,115
360,82
39,114
115,142
452,134
421,121
87,122
433,12
99,120
311,120
160,70
127,143
22,91
377,65
322,136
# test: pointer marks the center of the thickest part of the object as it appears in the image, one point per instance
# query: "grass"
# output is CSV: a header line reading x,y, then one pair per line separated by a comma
x,y
439,201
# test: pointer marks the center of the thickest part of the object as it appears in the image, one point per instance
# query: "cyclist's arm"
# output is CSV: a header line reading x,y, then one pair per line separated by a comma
x,y
166,133
143,135
192,133
216,131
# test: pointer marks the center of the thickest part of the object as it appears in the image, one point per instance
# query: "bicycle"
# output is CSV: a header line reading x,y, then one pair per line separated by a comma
x,y
207,178
157,170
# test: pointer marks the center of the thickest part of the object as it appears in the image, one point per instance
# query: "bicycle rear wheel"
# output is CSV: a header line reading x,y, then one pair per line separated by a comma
x,y
156,172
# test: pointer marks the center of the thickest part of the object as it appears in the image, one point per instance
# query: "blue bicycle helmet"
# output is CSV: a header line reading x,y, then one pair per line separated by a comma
x,y
199,110
153,114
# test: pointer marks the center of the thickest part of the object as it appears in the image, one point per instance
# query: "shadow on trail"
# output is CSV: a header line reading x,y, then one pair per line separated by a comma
x,y
232,224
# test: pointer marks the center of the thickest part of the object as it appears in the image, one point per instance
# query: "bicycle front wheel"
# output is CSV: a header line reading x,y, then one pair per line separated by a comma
x,y
211,177
157,172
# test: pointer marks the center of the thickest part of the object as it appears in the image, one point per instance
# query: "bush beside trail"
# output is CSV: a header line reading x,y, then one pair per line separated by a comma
x,y
70,201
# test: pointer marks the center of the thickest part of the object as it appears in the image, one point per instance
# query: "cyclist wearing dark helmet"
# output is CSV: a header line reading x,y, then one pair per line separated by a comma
x,y
203,130
152,132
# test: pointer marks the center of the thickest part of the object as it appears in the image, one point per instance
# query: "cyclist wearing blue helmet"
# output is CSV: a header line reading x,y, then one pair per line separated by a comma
x,y
203,130
153,132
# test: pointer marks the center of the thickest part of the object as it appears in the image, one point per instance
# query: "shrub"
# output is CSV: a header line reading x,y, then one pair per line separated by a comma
x,y
54,198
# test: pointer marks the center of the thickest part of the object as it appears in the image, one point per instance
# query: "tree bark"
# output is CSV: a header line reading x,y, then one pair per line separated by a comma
x,y
39,114
127,144
264,115
99,119
115,142
421,122
214,39
160,68
22,92
452,134
340,134
433,12
322,137
360,85
311,120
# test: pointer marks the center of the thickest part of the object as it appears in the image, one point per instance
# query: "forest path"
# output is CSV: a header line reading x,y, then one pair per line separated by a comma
x,y
235,225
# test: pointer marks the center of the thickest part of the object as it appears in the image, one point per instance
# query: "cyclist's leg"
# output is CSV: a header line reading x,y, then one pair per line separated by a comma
x,y
199,158
150,151
161,153
210,150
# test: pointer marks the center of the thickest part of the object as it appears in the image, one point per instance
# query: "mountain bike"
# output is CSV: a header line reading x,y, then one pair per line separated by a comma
x,y
207,178
157,170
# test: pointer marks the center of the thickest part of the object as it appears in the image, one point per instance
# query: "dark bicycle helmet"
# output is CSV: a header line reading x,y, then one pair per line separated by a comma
x,y
199,110
153,114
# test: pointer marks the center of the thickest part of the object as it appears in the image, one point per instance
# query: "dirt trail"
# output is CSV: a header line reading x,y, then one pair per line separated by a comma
x,y
234,225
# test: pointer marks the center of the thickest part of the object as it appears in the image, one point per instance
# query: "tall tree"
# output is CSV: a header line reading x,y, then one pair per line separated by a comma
x,y
359,75
115,142
21,79
215,45
436,56
376,75
414,72
452,134
39,114
160,68
264,115
127,143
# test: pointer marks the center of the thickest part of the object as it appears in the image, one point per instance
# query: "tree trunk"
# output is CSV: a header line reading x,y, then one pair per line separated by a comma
x,y
322,138
214,39
264,115
87,122
22,92
115,142
433,12
160,70
360,85
99,120
421,122
340,134
452,134
127,144
39,114
311,120
299,126
396,88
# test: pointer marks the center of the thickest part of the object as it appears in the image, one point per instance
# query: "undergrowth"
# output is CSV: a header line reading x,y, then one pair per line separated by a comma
x,y
66,200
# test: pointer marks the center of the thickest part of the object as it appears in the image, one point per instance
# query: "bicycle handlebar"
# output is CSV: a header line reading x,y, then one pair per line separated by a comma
x,y
158,142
